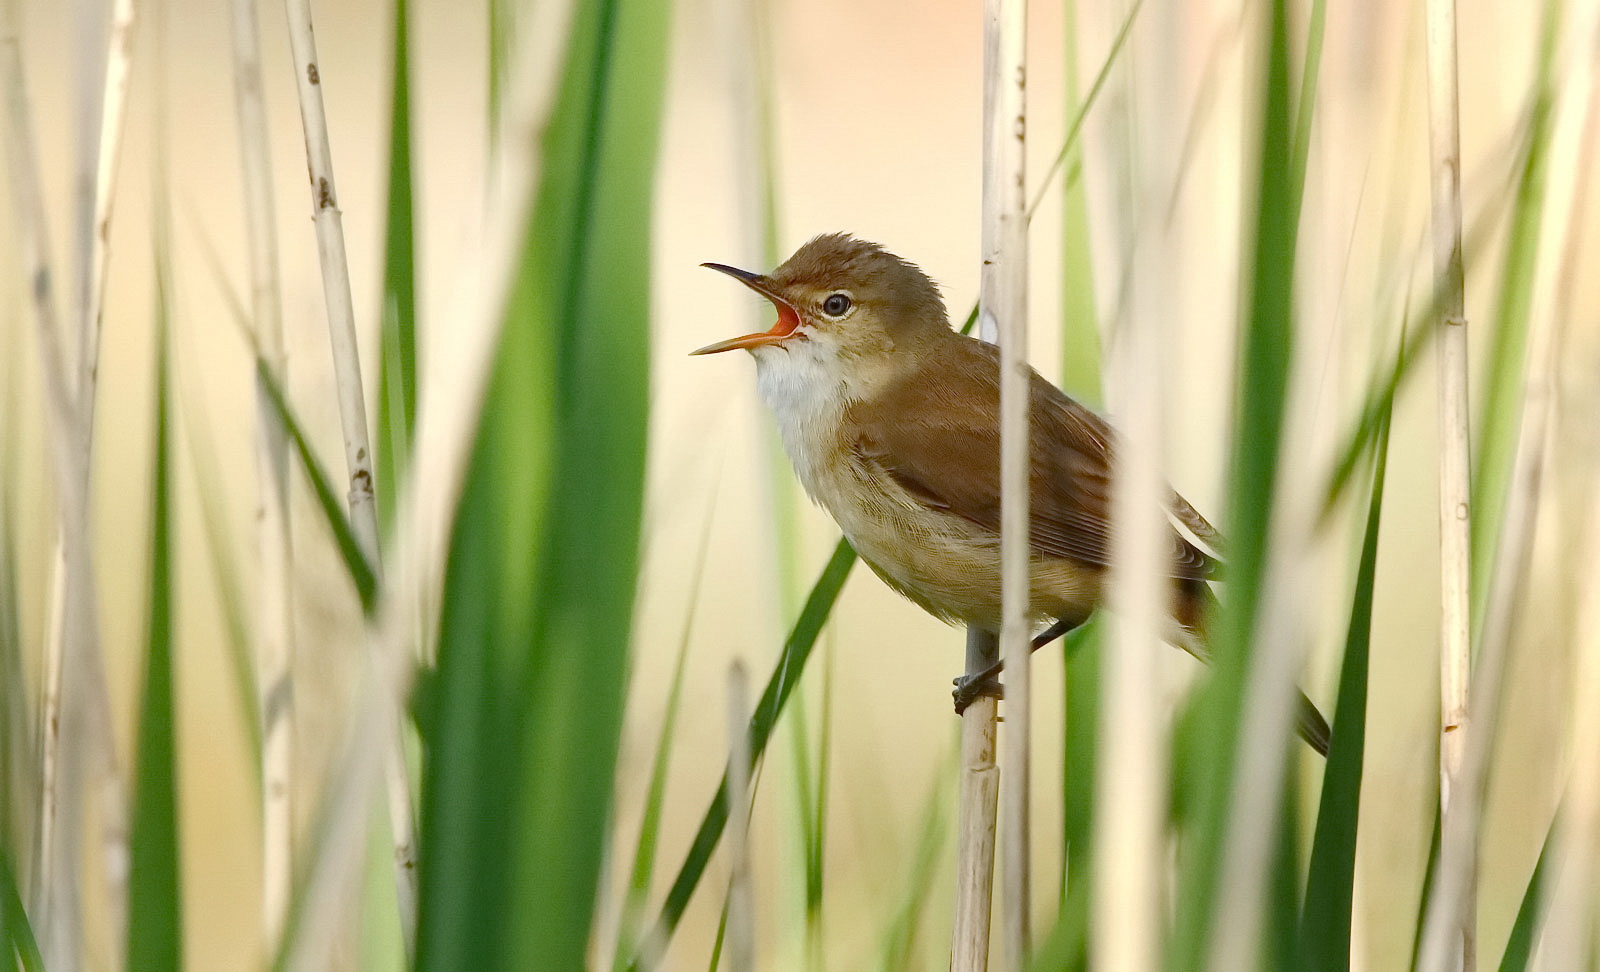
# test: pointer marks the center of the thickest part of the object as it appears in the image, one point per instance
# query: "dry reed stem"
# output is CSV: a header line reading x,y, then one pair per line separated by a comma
x,y
1455,551
979,795
1451,911
102,137
447,416
335,278
275,618
1450,916
34,248
99,153
1005,308
741,936
979,801
352,412
76,731
1130,803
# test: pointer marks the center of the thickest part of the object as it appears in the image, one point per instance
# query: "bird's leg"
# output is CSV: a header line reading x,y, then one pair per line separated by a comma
x,y
968,688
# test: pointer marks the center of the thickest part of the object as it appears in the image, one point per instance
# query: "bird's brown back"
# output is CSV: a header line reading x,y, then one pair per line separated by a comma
x,y
949,457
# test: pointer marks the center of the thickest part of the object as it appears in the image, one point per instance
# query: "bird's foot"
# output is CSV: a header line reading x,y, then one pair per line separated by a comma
x,y
970,688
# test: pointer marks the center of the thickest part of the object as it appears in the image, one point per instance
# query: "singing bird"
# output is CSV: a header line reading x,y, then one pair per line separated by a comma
x,y
891,420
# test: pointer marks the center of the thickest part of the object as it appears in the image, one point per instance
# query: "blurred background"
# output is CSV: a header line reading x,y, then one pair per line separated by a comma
x,y
874,129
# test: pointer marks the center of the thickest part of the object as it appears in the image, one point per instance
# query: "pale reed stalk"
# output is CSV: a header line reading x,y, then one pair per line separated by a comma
x,y
75,730
352,413
1005,309
447,417
103,117
1455,549
1447,938
1456,875
275,617
1129,847
979,802
979,788
335,277
101,148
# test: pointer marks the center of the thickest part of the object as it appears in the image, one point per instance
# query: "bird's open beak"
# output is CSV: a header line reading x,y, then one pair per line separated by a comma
x,y
788,317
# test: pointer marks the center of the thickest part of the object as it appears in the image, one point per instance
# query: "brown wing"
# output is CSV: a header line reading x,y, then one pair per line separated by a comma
x,y
948,456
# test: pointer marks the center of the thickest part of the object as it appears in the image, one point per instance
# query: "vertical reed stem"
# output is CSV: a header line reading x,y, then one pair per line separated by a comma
x,y
1448,935
1129,796
979,802
100,148
75,735
1002,297
447,417
1005,303
1444,114
275,619
352,410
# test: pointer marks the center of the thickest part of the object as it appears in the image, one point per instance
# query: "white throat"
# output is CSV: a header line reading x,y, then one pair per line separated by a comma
x,y
806,389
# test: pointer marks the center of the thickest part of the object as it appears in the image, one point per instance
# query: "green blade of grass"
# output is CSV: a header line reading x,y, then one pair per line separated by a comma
x,y
355,562
796,650
1265,345
1426,895
715,961
540,579
1066,947
500,43
817,842
1283,889
1306,103
1330,889
1501,410
1377,405
644,852
16,934
489,593
155,902
1080,720
397,336
810,796
220,548
17,773
1080,378
900,939
1080,359
1524,931
1379,399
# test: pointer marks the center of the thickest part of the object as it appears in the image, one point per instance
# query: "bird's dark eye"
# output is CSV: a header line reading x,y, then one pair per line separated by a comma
x,y
836,305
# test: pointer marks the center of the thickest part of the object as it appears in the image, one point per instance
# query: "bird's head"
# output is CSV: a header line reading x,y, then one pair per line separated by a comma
x,y
845,300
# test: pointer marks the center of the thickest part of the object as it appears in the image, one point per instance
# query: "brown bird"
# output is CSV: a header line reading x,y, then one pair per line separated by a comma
x,y
890,418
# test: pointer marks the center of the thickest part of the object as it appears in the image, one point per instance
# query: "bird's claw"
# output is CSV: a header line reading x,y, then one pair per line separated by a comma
x,y
970,688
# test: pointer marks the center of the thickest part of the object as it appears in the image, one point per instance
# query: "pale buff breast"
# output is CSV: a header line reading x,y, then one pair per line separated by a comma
x,y
944,563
